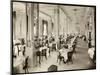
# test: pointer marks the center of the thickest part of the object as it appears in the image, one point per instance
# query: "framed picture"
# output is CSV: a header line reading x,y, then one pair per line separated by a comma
x,y
52,37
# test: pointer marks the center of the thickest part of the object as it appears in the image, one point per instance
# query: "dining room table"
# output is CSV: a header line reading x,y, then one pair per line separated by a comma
x,y
44,48
64,53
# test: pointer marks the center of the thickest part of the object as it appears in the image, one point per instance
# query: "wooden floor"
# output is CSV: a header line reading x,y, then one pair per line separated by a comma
x,y
80,60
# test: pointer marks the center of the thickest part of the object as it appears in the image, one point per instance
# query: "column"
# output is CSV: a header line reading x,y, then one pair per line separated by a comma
x,y
56,22
14,24
32,15
36,6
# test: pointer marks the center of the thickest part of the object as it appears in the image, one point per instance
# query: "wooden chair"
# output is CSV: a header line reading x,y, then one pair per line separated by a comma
x,y
38,55
25,67
60,58
24,50
74,46
44,54
54,47
70,57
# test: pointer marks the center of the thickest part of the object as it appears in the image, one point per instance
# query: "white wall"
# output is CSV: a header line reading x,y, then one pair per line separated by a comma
x,y
20,25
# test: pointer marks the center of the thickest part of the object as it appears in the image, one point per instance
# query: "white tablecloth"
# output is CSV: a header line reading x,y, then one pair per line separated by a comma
x,y
47,50
91,52
64,53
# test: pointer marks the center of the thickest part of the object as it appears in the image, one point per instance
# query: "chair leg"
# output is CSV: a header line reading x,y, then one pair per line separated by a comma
x,y
39,60
45,57
27,70
42,58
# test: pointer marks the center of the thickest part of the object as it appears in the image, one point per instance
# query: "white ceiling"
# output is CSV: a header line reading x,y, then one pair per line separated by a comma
x,y
76,16
18,6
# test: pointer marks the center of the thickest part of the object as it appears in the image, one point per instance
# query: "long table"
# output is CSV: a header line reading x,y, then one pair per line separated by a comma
x,y
47,50
64,53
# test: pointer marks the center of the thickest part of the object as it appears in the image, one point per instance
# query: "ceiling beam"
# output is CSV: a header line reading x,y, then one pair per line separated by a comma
x,y
45,13
65,13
